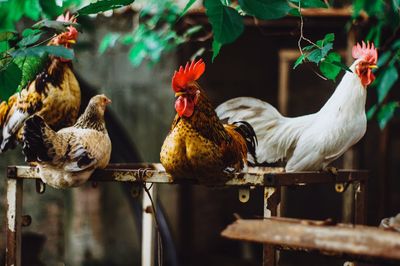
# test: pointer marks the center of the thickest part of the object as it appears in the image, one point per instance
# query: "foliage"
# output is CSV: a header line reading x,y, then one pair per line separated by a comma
x,y
23,55
153,35
384,32
320,53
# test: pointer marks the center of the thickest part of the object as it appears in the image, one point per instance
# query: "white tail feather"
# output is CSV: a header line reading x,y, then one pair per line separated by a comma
x,y
277,135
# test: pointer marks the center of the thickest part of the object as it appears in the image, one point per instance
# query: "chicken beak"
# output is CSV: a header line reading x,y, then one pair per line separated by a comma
x,y
373,66
108,101
180,93
71,41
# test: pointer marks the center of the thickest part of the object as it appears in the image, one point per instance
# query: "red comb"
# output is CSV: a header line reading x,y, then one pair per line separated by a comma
x,y
191,72
366,51
66,18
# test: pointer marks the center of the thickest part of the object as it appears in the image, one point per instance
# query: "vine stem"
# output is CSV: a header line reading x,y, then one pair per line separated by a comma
x,y
302,32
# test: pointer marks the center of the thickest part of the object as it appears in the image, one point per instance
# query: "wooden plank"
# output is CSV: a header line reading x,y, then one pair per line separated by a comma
x,y
360,242
360,199
14,219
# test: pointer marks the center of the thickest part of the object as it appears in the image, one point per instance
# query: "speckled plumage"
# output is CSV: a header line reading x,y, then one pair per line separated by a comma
x,y
68,157
201,147
54,95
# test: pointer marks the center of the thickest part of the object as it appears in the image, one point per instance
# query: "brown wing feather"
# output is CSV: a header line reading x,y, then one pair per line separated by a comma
x,y
235,151
5,108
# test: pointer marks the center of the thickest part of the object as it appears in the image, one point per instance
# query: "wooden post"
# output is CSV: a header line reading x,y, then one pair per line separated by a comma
x,y
360,202
272,198
13,231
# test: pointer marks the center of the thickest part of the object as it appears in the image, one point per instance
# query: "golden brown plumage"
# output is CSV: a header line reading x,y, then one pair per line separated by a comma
x,y
54,95
69,156
198,144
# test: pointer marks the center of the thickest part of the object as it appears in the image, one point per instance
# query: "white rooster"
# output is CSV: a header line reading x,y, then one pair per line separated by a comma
x,y
311,142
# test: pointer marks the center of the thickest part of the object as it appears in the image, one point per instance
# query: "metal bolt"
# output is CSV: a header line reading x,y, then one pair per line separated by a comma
x,y
244,195
339,187
11,172
26,220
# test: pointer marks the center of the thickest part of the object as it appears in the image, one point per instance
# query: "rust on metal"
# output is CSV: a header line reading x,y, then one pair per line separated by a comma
x,y
342,240
254,176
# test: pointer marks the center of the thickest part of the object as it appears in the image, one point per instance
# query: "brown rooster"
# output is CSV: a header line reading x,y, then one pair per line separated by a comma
x,y
54,95
68,157
198,144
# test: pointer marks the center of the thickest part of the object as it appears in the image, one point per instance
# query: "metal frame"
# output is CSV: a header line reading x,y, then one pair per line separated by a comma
x,y
272,179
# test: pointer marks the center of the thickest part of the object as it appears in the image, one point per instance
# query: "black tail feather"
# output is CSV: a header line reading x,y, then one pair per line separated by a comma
x,y
34,146
248,133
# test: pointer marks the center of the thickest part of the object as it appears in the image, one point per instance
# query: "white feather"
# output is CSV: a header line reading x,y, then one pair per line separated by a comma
x,y
12,126
308,142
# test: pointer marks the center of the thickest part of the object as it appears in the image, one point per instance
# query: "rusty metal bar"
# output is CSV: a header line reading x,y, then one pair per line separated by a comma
x,y
14,219
255,176
355,242
272,198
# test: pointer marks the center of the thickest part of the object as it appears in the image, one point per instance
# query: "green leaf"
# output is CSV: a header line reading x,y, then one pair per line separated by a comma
x,y
334,57
30,67
127,39
27,32
103,5
137,54
328,67
7,35
58,26
386,113
10,78
193,30
226,22
330,37
216,47
39,51
108,41
32,9
299,61
188,5
294,12
4,46
358,5
308,47
315,56
310,3
342,66
383,58
389,78
50,8
372,111
265,9
396,45
326,48
28,40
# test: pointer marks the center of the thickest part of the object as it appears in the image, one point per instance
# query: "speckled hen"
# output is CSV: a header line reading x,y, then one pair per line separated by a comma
x,y
68,157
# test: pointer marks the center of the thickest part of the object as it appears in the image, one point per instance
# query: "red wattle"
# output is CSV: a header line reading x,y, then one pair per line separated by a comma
x,y
184,106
